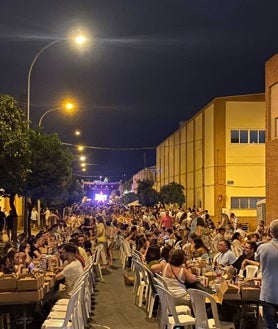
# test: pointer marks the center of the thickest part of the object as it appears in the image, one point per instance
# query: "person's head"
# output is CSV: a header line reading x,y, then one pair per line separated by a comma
x,y
88,246
141,242
24,246
153,253
198,243
255,237
273,228
236,236
165,252
221,231
176,257
100,219
81,240
250,248
14,257
60,251
223,245
69,251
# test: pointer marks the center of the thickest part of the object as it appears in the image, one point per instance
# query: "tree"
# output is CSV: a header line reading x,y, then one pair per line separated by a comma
x,y
147,195
172,193
129,197
15,151
75,190
50,174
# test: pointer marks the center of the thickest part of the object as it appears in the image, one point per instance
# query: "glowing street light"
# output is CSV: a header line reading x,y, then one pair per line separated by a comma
x,y
77,132
82,158
80,148
80,39
68,106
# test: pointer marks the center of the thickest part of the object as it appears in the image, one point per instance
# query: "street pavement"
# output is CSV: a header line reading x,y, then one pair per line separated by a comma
x,y
115,303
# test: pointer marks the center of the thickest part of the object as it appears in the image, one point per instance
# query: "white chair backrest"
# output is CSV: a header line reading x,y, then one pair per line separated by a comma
x,y
198,299
160,280
127,248
251,271
167,304
97,254
72,306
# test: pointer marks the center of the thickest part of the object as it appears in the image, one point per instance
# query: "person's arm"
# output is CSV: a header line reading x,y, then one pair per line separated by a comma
x,y
59,276
249,262
189,276
37,254
157,268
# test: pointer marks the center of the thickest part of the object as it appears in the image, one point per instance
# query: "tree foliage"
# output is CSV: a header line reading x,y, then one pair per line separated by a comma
x,y
147,195
172,193
14,143
129,197
50,175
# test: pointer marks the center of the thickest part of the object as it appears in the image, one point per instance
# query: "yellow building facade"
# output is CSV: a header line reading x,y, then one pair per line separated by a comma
x,y
219,157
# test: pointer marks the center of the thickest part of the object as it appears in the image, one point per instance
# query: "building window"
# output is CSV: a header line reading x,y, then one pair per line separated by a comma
x,y
248,136
234,136
262,136
244,202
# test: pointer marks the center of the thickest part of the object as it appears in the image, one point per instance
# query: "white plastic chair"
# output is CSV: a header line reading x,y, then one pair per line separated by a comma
x,y
140,283
180,309
71,318
152,293
125,253
251,271
198,300
96,261
86,282
169,316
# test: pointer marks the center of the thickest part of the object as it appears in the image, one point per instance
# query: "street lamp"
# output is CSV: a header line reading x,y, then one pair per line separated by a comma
x,y
68,106
80,39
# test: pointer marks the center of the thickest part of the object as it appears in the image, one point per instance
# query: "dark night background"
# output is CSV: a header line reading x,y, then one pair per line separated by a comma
x,y
149,65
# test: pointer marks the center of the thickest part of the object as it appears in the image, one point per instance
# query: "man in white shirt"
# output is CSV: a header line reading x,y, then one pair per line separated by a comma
x,y
71,272
225,256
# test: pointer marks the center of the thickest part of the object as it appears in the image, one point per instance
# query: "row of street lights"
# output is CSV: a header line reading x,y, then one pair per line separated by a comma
x,y
79,40
67,106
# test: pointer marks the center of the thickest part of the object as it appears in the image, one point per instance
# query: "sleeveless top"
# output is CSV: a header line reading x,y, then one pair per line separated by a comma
x,y
177,288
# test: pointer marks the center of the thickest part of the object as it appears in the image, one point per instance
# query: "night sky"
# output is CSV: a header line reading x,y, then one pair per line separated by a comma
x,y
149,65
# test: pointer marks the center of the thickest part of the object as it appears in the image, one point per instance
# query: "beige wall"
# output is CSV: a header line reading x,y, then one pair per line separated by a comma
x,y
200,156
271,80
209,155
245,163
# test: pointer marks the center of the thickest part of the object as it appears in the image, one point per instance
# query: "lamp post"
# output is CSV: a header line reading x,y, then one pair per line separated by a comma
x,y
80,39
68,106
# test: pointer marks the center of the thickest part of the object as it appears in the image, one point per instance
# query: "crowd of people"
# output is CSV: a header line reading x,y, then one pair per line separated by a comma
x,y
167,241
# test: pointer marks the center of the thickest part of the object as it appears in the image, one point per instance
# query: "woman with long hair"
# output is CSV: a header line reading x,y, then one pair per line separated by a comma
x,y
176,276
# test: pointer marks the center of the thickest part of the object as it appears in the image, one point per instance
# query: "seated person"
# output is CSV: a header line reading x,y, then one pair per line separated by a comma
x,y
225,256
250,248
200,249
24,250
36,244
71,272
176,275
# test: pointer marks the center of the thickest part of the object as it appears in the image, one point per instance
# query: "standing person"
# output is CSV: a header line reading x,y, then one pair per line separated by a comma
x,y
46,217
234,221
2,223
9,224
101,239
34,218
167,221
267,255
110,238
